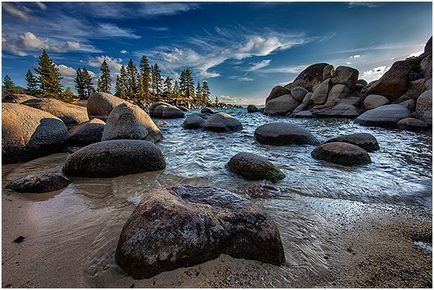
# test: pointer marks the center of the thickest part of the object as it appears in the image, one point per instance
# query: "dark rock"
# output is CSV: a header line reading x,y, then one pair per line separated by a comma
x,y
194,121
222,122
185,225
362,82
345,75
86,133
254,167
252,109
412,124
46,181
374,101
19,240
207,110
310,77
320,94
277,92
165,111
363,140
384,116
298,93
424,106
281,105
327,72
303,114
341,153
99,105
428,46
283,134
341,109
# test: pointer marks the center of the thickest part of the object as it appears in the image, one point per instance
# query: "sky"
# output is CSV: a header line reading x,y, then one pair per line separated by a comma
x,y
243,50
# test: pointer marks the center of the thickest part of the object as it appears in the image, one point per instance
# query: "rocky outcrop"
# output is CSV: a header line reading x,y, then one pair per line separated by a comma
x,y
345,75
384,116
222,122
283,134
113,158
70,114
276,92
99,105
194,121
374,101
424,107
45,181
319,96
86,133
281,105
185,225
309,77
128,121
254,167
17,98
341,153
363,140
252,109
28,133
298,93
165,111
412,124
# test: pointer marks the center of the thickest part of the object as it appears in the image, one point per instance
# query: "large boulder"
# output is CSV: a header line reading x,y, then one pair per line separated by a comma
x,y
276,92
341,153
128,121
428,47
28,133
99,105
363,140
309,77
384,116
283,134
426,66
298,93
113,158
280,105
185,225
342,109
412,124
194,121
70,114
252,109
337,92
424,106
320,94
16,98
86,133
327,72
346,76
165,111
222,122
254,167
374,101
45,181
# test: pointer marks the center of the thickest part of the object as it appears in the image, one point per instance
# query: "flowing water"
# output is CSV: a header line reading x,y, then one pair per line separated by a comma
x,y
84,220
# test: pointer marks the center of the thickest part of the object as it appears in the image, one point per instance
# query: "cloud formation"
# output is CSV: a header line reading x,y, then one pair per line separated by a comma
x,y
375,73
259,65
14,11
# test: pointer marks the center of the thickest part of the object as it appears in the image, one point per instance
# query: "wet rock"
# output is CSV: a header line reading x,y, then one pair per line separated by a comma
x,y
342,109
283,134
128,121
207,110
194,121
252,109
363,140
254,167
298,93
86,133
424,106
341,153
412,124
222,122
185,225
374,101
46,181
276,92
384,116
29,133
280,105
99,105
70,114
303,114
346,76
309,77
320,94
113,158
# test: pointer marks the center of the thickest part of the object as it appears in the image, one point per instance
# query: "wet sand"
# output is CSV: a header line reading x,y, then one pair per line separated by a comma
x,y
70,237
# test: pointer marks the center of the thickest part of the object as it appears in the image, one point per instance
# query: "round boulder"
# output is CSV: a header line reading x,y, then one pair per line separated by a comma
x,y
363,140
165,111
99,105
298,93
374,101
345,75
86,133
222,122
412,124
384,116
283,134
320,94
341,153
310,76
193,121
252,109
424,106
277,92
281,105
254,167
46,181
113,158
207,110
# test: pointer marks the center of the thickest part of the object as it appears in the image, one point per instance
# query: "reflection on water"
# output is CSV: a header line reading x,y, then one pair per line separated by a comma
x,y
88,215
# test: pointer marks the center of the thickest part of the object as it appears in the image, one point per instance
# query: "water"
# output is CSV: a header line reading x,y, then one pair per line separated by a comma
x,y
82,222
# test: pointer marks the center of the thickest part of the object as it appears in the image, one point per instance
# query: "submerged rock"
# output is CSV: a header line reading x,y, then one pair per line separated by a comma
x,y
341,153
254,167
86,133
384,116
194,121
99,105
283,134
46,181
363,140
113,158
252,109
412,124
222,122
185,225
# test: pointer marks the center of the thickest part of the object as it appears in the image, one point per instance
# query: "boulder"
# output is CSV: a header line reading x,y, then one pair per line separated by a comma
x,y
303,114
254,167
280,105
327,72
185,225
182,108
337,92
128,121
70,114
342,109
346,76
415,88
298,93
363,140
409,104
426,66
29,133
276,92
194,121
341,153
424,106
309,77
207,110
374,101
307,101
45,181
384,116
427,84
283,134
428,47
319,96
252,109
222,122
362,82
86,133
113,158
165,111
99,105
17,98
412,124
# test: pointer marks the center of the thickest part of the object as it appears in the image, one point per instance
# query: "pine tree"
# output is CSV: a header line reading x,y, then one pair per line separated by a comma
x,y
122,83
67,95
133,80
32,84
48,77
199,99
168,85
186,83
176,93
145,78
156,79
87,83
206,94
104,81
79,86
8,86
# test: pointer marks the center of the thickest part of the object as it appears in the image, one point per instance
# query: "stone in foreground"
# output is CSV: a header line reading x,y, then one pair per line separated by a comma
x,y
341,153
185,225
384,116
113,158
222,122
254,167
412,124
46,181
283,134
86,133
363,140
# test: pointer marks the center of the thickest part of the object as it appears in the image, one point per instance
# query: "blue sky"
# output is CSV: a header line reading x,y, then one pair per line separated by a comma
x,y
241,49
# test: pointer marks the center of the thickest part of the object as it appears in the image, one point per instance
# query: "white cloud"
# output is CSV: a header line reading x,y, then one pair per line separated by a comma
x,y
258,65
232,100
123,51
355,56
363,4
294,69
12,10
374,74
41,5
12,48
112,30
113,63
241,79
416,53
29,40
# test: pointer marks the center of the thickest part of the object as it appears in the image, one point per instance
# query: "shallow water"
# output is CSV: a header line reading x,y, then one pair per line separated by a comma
x,y
84,220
